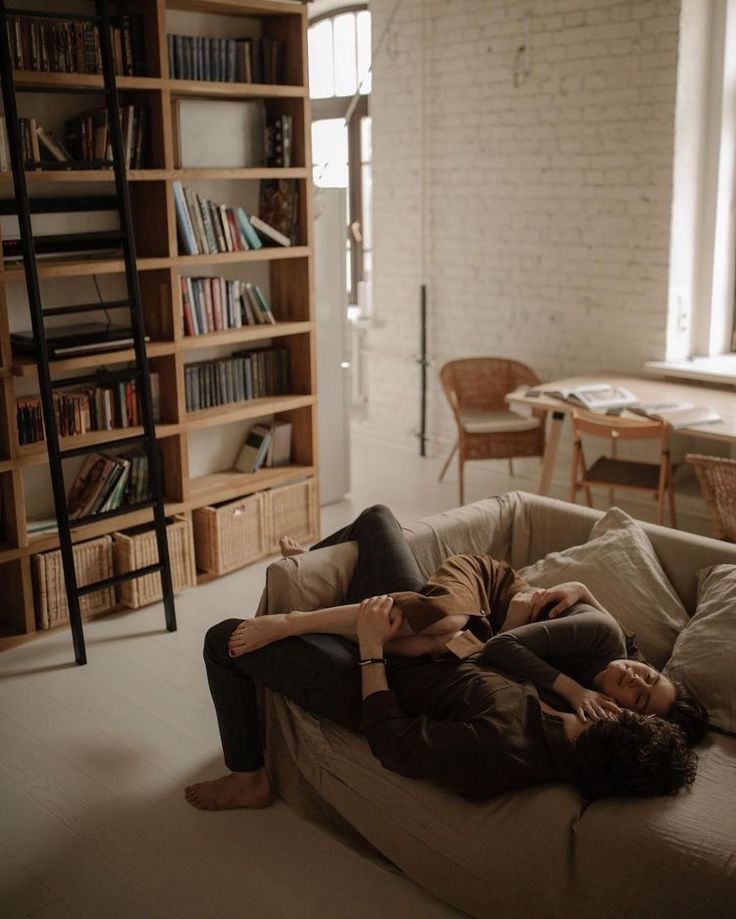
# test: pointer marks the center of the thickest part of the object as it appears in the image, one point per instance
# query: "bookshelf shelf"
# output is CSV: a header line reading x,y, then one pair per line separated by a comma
x,y
240,336
221,486
285,273
241,411
25,366
213,90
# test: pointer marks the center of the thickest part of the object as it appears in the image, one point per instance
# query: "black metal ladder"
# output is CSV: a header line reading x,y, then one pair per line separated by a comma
x,y
147,440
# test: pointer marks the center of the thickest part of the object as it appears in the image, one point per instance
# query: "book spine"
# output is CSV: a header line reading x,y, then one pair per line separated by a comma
x,y
186,231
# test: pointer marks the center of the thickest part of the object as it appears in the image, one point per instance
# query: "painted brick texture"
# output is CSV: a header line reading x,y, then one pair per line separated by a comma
x,y
537,209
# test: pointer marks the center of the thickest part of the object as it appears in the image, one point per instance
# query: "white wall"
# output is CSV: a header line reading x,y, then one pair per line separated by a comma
x,y
541,210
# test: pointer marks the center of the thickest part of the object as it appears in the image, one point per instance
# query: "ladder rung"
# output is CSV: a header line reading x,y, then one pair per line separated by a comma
x,y
108,515
87,308
120,578
33,14
93,448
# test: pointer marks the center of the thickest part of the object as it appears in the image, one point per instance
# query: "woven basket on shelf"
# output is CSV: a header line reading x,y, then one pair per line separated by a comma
x,y
291,511
137,549
92,562
229,536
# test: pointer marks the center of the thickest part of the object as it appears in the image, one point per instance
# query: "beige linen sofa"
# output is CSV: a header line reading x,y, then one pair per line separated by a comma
x,y
543,851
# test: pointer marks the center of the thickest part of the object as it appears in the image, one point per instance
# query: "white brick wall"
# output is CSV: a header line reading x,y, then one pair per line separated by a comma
x,y
547,206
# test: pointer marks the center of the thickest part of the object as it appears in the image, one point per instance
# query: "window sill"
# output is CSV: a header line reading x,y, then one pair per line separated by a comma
x,y
720,368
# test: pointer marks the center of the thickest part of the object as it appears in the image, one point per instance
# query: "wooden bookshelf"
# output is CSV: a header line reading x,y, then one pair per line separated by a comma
x,y
285,272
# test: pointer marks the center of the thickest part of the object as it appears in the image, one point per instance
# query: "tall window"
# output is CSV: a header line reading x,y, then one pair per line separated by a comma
x,y
339,66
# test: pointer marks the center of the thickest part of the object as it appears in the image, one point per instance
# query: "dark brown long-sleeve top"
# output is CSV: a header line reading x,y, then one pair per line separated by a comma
x,y
474,585
580,645
465,727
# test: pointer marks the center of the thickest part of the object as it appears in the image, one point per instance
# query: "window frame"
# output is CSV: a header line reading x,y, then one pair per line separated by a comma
x,y
335,107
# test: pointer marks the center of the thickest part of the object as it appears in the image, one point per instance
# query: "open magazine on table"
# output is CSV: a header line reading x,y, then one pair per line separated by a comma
x,y
595,396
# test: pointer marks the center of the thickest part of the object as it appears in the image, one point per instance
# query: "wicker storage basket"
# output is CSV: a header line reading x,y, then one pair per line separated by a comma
x,y
92,562
229,536
290,511
137,548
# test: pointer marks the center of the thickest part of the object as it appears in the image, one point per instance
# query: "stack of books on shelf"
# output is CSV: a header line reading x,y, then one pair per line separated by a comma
x,y
277,141
111,404
226,60
252,374
213,304
86,141
65,46
87,137
265,445
208,228
106,482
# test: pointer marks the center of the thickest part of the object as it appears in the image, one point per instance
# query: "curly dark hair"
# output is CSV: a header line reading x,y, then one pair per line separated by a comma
x,y
689,714
634,755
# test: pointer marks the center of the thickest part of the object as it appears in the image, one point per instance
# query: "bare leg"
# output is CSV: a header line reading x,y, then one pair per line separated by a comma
x,y
252,634
236,789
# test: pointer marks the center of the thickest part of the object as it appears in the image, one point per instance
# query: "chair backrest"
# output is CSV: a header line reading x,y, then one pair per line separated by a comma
x,y
482,382
717,477
613,427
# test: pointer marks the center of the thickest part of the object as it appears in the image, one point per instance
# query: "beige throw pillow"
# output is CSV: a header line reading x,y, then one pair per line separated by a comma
x,y
704,658
620,567
312,580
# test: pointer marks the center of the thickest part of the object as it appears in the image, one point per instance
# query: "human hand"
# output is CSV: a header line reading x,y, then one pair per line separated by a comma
x,y
377,623
590,705
563,596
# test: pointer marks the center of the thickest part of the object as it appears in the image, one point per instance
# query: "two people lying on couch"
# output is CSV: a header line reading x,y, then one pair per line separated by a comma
x,y
463,724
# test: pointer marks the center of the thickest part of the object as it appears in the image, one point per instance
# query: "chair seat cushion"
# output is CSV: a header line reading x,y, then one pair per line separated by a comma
x,y
607,471
491,421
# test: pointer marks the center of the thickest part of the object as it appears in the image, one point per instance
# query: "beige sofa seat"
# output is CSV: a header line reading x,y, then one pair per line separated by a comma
x,y
542,851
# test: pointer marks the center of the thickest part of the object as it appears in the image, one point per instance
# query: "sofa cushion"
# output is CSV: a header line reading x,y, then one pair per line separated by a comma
x,y
312,580
619,566
704,657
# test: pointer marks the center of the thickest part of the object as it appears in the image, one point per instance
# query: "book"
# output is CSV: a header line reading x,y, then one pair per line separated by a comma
x,y
247,231
75,339
268,232
253,452
595,396
184,222
279,449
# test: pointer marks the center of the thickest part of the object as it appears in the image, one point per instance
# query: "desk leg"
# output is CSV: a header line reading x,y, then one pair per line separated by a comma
x,y
550,451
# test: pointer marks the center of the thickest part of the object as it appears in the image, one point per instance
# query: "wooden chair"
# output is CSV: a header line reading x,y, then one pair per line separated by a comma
x,y
612,472
486,428
717,477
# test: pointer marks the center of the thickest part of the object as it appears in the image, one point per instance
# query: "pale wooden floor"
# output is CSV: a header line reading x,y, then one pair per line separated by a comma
x,y
93,761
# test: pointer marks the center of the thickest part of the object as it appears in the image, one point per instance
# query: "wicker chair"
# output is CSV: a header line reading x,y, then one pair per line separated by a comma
x,y
717,477
612,472
486,428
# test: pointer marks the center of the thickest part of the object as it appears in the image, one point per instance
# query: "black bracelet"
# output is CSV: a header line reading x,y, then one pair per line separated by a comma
x,y
372,660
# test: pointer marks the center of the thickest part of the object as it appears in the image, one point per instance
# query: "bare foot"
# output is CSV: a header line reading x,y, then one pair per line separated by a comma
x,y
238,789
256,633
290,547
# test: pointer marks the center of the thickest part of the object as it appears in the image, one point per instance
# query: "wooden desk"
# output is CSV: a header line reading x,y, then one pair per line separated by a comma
x,y
647,390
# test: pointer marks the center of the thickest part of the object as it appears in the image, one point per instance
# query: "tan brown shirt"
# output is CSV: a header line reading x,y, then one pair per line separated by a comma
x,y
473,585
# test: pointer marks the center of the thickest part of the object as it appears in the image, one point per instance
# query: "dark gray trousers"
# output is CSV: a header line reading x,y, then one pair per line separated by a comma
x,y
318,672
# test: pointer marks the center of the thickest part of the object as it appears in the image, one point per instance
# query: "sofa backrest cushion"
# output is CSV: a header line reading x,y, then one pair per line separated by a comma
x,y
621,569
704,657
312,580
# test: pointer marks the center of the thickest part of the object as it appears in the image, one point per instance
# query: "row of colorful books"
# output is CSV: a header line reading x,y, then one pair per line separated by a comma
x,y
265,445
108,481
65,46
101,408
86,140
207,228
253,374
226,60
213,304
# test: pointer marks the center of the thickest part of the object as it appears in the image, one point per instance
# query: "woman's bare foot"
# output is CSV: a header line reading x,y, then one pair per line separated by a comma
x,y
290,547
256,633
238,789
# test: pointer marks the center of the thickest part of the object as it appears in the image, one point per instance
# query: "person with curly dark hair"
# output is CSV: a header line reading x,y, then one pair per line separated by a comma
x,y
633,755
